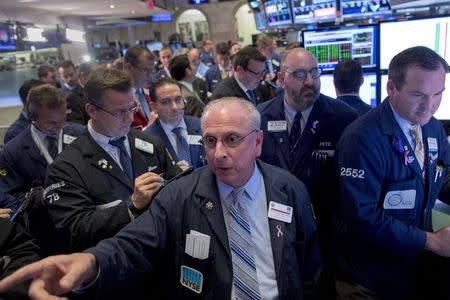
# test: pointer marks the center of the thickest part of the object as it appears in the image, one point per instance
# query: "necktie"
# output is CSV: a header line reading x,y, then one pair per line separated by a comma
x,y
182,145
223,74
52,145
419,152
296,133
125,159
143,102
251,95
245,280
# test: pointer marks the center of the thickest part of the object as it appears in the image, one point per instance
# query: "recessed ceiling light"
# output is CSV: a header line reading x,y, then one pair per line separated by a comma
x,y
112,6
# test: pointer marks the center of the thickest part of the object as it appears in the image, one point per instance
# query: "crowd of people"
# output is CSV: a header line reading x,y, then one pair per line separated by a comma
x,y
224,173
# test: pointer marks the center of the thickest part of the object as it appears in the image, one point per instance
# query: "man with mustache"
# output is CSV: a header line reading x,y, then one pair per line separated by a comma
x,y
301,128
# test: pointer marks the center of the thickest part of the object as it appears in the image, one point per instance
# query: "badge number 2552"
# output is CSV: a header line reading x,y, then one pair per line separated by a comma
x,y
350,172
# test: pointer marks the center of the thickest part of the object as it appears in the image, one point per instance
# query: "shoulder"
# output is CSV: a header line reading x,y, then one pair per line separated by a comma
x,y
74,128
155,140
192,122
339,108
279,177
270,105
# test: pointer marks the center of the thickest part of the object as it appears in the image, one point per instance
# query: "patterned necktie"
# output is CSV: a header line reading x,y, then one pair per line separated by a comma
x,y
223,74
143,102
125,159
251,95
245,280
52,145
296,133
419,152
183,150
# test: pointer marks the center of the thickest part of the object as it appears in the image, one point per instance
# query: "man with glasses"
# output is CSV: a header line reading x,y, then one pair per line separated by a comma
x,y
181,134
24,159
111,173
249,69
301,128
242,252
138,64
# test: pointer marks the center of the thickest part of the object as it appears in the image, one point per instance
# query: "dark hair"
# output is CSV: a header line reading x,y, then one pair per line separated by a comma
x,y
243,57
43,70
348,76
222,49
102,80
26,87
133,53
419,56
178,65
66,64
159,83
85,68
45,95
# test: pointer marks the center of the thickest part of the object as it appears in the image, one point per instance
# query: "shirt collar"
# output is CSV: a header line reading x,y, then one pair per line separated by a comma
x,y
242,86
251,186
99,138
403,123
169,127
42,135
290,112
187,84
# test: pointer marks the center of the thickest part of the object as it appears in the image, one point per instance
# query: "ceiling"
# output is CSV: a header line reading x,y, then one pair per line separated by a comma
x,y
85,8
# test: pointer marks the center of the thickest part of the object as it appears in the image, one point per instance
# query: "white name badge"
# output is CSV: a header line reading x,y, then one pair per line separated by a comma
x,y
405,199
432,144
194,139
277,126
67,139
275,63
280,212
143,145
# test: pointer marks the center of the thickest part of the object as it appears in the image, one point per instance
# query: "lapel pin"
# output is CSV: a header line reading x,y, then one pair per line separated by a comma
x,y
103,163
3,172
209,205
279,232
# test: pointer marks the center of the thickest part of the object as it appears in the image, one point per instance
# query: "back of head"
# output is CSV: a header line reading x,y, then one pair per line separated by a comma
x,y
243,57
102,80
45,95
223,49
133,53
43,70
118,64
348,76
264,41
178,65
26,87
85,68
418,56
66,64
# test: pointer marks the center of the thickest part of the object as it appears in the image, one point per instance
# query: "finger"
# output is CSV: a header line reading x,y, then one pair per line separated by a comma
x,y
151,178
81,270
4,216
21,275
38,291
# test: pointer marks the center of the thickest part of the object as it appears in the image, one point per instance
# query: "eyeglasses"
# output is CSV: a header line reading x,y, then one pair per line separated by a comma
x,y
168,101
230,140
121,113
263,72
301,74
144,70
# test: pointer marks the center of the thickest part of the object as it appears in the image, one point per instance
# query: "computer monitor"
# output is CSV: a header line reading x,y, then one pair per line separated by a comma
x,y
154,46
400,35
335,44
7,41
313,10
367,92
278,12
260,19
443,113
365,8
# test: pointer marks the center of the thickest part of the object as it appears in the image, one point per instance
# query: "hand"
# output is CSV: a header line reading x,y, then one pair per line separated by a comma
x,y
183,164
4,212
54,275
145,188
439,242
269,77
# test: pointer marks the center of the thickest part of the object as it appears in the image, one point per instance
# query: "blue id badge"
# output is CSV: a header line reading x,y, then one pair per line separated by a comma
x,y
192,279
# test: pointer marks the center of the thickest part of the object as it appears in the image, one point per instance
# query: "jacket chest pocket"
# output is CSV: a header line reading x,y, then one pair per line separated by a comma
x,y
195,276
400,200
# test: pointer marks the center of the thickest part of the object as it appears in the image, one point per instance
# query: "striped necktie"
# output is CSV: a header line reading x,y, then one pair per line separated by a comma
x,y
419,152
296,133
183,151
245,280
125,159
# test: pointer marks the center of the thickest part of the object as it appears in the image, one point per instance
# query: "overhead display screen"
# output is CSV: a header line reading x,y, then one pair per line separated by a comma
x,y
308,11
278,12
365,8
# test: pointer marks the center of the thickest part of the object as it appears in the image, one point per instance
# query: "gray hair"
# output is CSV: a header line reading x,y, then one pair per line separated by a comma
x,y
255,117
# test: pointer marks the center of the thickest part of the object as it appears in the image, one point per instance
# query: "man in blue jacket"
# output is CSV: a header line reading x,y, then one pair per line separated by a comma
x,y
252,224
391,164
181,134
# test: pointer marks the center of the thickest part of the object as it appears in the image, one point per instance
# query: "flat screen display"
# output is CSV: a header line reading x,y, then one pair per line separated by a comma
x,y
260,20
398,36
365,8
367,92
308,11
7,40
278,12
443,113
162,18
333,45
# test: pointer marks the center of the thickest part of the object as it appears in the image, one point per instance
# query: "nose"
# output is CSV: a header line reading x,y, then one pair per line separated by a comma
x,y
220,150
308,79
